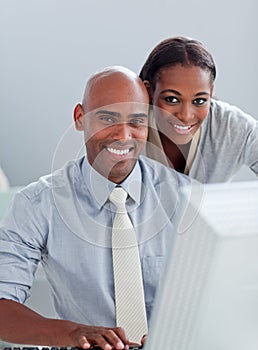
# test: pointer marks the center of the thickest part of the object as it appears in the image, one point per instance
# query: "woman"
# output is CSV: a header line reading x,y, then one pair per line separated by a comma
x,y
189,130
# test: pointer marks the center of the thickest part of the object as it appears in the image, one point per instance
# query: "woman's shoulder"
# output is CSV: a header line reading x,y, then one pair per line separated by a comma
x,y
222,112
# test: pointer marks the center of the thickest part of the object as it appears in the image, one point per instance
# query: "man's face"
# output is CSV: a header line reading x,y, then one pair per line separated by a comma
x,y
115,126
115,136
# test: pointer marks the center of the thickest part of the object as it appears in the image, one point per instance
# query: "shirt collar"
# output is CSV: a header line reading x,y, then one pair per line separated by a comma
x,y
100,187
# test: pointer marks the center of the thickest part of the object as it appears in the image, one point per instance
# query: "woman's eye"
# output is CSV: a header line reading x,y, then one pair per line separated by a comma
x,y
199,101
171,99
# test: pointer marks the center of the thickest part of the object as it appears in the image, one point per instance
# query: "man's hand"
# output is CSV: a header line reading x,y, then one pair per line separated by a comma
x,y
143,340
21,325
106,338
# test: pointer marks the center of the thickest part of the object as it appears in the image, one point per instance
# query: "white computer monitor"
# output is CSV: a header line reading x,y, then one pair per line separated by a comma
x,y
208,297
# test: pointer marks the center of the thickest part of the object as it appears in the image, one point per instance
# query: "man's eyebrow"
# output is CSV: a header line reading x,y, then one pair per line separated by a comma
x,y
117,114
104,111
139,115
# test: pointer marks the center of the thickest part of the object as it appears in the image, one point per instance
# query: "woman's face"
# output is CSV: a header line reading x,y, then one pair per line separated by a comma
x,y
181,101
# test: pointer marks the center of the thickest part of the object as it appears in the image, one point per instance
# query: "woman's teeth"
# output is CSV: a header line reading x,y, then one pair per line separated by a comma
x,y
181,127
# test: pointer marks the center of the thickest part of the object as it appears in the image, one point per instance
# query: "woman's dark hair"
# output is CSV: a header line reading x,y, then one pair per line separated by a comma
x,y
173,51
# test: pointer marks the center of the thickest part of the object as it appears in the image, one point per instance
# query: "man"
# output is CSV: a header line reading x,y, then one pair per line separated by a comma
x,y
65,221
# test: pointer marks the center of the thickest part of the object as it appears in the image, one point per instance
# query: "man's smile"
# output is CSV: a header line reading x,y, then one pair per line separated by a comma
x,y
118,151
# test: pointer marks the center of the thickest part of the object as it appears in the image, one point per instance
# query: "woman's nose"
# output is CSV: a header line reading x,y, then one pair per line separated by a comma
x,y
185,114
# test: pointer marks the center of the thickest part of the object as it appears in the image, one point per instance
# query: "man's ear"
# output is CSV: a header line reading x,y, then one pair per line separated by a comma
x,y
78,116
149,89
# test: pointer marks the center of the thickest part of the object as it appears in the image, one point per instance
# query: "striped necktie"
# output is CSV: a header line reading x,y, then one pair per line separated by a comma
x,y
129,293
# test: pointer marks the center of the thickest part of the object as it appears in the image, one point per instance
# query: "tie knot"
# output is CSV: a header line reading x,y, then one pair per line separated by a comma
x,y
118,197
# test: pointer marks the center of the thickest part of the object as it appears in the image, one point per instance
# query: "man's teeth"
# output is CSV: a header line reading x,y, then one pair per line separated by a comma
x,y
118,151
181,127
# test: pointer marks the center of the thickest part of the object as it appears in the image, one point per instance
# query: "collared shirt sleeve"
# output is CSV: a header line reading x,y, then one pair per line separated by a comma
x,y
21,242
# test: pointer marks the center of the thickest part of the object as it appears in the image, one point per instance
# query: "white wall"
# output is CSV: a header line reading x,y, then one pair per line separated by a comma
x,y
49,48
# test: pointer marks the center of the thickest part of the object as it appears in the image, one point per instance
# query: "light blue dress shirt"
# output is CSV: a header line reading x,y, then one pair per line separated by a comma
x,y
64,220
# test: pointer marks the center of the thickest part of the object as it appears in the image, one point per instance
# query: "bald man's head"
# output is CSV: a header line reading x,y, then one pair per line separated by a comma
x,y
114,118
113,85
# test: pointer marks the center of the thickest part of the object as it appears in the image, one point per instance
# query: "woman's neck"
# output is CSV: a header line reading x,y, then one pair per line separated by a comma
x,y
176,154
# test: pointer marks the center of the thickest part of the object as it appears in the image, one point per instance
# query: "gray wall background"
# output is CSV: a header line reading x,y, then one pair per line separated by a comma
x,y
49,48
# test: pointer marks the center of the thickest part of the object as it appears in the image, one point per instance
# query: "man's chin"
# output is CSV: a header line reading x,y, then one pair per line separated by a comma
x,y
114,171
121,170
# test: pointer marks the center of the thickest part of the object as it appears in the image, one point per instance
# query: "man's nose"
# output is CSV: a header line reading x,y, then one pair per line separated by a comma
x,y
122,131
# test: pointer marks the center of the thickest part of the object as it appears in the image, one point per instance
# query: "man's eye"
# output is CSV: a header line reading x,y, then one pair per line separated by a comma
x,y
106,119
171,99
199,101
138,121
